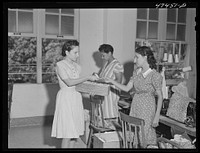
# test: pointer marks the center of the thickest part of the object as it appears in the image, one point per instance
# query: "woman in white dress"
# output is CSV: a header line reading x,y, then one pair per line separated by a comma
x,y
68,122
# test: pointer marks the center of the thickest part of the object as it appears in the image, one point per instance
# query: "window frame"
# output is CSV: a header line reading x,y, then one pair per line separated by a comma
x,y
147,20
176,23
39,33
17,33
162,24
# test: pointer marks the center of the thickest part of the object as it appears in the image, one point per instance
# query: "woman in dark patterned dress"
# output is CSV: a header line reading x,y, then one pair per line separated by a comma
x,y
147,82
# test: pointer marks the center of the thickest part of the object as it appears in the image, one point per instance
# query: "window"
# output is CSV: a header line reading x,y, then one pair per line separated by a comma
x,y
22,44
51,53
147,23
176,24
59,26
22,59
20,21
35,38
151,23
59,22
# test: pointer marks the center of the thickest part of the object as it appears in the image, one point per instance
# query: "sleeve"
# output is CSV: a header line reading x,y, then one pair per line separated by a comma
x,y
62,71
157,81
118,68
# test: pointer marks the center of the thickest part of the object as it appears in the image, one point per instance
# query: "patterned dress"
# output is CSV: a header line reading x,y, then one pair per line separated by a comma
x,y
143,104
68,119
110,103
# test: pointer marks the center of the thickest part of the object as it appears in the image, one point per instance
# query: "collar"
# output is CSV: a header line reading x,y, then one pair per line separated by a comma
x,y
145,73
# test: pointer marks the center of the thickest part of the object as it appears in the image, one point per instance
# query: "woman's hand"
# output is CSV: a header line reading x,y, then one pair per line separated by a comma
x,y
96,75
93,78
108,80
155,122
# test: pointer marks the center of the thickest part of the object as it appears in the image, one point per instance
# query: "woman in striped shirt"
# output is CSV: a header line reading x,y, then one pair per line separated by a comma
x,y
112,69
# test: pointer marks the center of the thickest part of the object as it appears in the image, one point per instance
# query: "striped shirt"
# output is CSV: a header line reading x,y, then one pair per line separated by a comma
x,y
110,103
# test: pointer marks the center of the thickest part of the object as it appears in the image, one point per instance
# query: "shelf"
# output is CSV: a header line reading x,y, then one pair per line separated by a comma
x,y
159,48
173,82
166,63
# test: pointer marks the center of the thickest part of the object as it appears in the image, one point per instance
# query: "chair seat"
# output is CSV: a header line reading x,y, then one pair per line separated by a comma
x,y
100,129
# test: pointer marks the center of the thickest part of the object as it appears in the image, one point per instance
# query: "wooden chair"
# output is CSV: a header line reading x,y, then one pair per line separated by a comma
x,y
132,131
97,124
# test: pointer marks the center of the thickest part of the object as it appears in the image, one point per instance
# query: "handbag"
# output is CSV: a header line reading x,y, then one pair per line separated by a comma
x,y
178,107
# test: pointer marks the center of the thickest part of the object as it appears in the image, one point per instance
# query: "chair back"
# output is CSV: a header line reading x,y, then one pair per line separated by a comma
x,y
132,131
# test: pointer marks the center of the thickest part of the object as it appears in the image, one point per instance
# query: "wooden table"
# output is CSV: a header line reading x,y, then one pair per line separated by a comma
x,y
177,125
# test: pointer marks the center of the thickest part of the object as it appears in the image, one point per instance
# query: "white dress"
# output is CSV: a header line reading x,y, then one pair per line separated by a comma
x,y
68,119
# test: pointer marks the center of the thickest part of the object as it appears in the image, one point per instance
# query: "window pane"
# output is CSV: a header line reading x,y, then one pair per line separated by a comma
x,y
51,53
52,10
182,15
52,24
181,32
67,25
153,14
11,21
141,29
22,59
153,30
170,32
26,22
171,15
141,13
67,11
49,78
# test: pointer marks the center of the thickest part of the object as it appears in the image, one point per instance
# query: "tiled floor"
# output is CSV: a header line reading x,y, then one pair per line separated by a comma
x,y
35,136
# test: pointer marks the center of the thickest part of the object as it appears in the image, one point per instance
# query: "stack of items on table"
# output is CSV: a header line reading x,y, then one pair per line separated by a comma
x,y
180,106
181,140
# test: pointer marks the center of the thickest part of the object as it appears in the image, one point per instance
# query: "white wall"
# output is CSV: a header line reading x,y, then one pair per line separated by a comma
x,y
121,33
91,36
191,39
33,100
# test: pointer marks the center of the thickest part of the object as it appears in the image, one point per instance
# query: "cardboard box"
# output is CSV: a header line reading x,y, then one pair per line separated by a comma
x,y
107,140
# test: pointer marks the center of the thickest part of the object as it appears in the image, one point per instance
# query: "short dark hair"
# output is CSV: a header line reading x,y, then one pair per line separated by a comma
x,y
68,45
106,48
